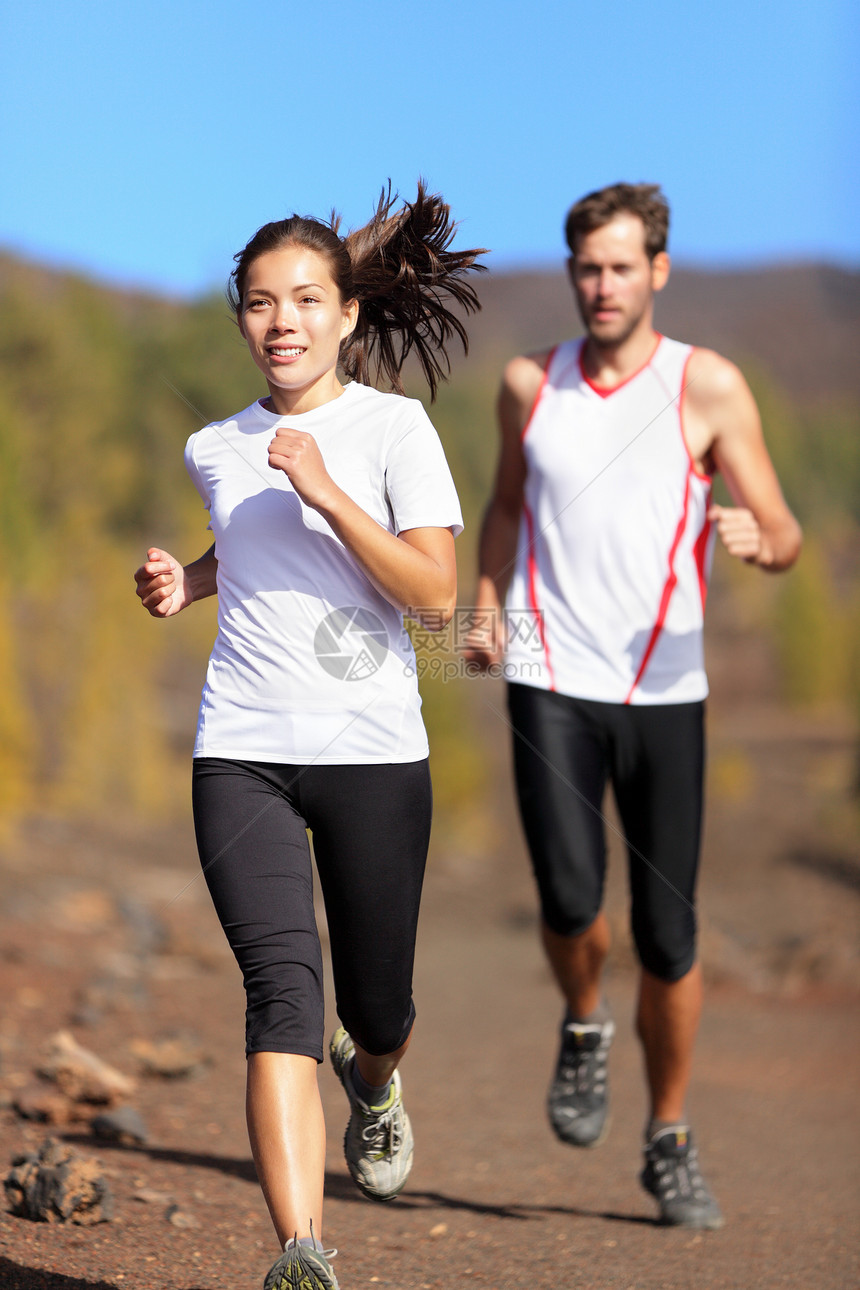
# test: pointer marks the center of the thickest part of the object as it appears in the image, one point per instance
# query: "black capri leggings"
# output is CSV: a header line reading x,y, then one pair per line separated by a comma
x,y
565,750
371,829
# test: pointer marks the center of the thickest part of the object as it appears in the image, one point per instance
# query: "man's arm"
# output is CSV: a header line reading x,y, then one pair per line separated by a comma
x,y
722,423
498,544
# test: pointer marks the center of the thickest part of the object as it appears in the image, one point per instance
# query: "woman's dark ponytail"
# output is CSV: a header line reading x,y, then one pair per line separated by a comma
x,y
400,269
405,279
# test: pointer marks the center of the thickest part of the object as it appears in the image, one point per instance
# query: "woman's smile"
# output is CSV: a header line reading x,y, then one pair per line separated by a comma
x,y
290,293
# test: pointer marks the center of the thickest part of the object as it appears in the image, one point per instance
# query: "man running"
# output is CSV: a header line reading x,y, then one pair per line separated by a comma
x,y
597,541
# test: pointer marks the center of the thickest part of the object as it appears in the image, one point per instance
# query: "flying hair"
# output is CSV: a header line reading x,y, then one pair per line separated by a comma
x,y
402,271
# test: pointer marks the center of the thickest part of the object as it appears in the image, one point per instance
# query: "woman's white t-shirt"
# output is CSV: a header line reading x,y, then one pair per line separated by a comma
x,y
311,662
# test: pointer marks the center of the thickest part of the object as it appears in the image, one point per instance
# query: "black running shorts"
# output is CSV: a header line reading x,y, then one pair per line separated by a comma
x,y
565,751
371,829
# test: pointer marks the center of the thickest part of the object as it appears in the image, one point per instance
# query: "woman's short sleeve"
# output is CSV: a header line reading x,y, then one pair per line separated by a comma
x,y
194,470
418,482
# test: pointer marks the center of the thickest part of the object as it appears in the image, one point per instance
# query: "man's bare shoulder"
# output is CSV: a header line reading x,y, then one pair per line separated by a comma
x,y
719,408
522,379
712,378
524,373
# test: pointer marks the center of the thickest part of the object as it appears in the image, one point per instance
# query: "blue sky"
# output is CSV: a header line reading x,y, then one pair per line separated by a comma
x,y
145,143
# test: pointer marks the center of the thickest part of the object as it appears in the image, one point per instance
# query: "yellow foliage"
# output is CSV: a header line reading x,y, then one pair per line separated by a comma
x,y
16,727
814,632
731,776
113,745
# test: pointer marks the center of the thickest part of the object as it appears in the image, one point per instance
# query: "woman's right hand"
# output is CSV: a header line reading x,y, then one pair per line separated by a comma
x,y
162,585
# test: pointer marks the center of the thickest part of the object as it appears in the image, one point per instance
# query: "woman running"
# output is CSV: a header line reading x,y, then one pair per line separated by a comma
x,y
333,512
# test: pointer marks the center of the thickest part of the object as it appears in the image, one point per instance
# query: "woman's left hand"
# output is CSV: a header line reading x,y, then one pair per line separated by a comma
x,y
296,453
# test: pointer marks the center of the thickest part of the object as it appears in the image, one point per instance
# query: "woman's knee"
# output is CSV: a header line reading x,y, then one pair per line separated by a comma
x,y
378,1031
284,1010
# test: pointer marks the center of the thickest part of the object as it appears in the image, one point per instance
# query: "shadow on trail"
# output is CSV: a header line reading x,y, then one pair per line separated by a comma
x,y
341,1187
17,1276
843,870
232,1166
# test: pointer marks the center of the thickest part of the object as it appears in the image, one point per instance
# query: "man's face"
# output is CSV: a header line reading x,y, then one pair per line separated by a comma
x,y
615,281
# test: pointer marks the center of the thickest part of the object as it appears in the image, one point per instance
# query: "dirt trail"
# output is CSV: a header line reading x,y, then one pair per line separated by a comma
x,y
100,929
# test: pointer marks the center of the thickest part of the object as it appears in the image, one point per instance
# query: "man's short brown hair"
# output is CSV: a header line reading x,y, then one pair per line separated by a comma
x,y
598,208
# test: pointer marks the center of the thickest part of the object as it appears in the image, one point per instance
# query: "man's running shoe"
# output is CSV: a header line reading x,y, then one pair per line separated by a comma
x,y
378,1144
578,1100
302,1267
672,1176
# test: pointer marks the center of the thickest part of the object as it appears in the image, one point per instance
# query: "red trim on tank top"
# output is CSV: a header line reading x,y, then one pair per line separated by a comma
x,y
539,395
700,551
605,390
668,588
532,583
684,383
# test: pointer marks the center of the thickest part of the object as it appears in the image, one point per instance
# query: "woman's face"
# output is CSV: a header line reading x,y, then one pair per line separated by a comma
x,y
293,319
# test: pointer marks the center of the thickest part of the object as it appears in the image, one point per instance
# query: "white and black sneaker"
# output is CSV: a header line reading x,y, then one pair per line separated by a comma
x,y
673,1178
302,1267
578,1100
378,1144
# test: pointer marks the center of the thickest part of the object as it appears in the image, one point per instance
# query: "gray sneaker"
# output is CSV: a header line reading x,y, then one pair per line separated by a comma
x,y
302,1267
673,1178
378,1144
578,1099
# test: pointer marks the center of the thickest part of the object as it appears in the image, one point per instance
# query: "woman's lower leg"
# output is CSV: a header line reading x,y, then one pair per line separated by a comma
x,y
286,1129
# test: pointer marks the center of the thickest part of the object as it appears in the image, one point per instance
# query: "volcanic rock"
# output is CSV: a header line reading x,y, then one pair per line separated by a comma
x,y
58,1185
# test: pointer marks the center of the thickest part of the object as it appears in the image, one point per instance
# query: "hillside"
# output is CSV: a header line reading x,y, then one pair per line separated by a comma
x,y
99,389
800,322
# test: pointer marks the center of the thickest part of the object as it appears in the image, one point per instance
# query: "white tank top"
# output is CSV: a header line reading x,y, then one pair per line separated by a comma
x,y
608,593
